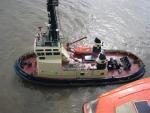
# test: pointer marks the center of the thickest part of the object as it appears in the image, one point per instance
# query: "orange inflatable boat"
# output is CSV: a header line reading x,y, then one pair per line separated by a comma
x,y
131,98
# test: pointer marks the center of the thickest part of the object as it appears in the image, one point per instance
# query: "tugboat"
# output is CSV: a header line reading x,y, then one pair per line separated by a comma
x,y
130,98
54,62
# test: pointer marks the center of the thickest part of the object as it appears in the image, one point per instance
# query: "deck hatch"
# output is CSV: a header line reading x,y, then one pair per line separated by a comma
x,y
89,58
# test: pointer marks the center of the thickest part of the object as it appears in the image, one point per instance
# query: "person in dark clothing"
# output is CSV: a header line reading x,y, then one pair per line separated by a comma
x,y
97,46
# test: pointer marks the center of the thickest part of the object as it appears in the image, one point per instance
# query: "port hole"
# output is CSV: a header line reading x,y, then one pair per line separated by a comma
x,y
102,73
82,73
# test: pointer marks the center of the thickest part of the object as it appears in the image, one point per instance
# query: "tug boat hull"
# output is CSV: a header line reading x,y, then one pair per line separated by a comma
x,y
57,63
29,74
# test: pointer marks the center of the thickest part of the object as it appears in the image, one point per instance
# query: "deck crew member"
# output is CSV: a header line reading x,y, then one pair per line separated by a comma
x,y
97,45
101,61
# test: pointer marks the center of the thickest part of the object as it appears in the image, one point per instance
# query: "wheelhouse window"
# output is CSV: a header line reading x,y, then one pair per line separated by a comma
x,y
125,108
48,50
132,107
142,107
56,53
92,106
41,58
55,50
39,50
48,53
40,54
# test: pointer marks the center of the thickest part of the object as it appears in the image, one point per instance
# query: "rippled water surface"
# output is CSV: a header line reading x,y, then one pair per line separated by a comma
x,y
121,24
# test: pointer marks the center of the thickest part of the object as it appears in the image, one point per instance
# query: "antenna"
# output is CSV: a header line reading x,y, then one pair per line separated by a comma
x,y
53,29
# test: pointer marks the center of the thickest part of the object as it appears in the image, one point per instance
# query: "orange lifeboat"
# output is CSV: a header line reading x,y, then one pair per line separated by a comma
x,y
83,50
131,98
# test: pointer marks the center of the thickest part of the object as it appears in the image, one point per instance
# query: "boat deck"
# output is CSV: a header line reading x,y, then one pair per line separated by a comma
x,y
79,63
31,66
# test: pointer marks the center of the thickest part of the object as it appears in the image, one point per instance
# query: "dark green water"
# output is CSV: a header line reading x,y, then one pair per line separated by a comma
x,y
121,24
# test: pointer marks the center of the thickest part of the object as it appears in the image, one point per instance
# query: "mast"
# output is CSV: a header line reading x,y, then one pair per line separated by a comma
x,y
53,32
